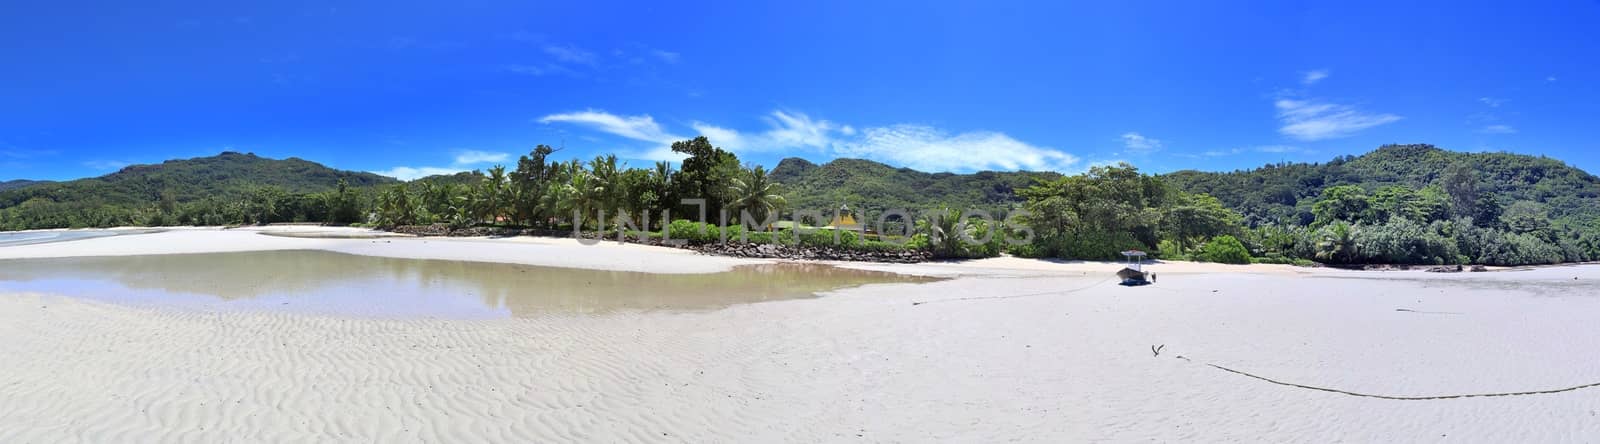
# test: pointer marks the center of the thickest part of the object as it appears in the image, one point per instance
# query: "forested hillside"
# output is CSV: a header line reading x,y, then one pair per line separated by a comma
x,y
872,186
1411,204
204,190
14,184
1283,193
1415,204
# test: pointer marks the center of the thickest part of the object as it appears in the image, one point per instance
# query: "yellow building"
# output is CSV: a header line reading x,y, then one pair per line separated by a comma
x,y
844,220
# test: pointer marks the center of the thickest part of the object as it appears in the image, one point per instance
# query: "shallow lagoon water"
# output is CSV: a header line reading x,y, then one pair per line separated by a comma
x,y
41,237
323,282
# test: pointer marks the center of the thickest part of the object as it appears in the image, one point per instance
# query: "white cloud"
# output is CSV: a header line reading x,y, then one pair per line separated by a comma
x,y
666,56
570,54
464,161
1279,149
106,165
1217,153
1269,149
1312,77
541,70
658,153
929,149
470,157
1492,102
1498,129
1550,79
1139,144
1311,120
791,129
410,173
641,127
785,130
723,137
915,146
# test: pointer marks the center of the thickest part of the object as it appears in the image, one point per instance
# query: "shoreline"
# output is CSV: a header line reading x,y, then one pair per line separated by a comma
x,y
1003,262
555,252
1006,349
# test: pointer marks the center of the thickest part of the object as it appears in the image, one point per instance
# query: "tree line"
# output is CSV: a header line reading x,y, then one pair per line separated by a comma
x,y
1459,218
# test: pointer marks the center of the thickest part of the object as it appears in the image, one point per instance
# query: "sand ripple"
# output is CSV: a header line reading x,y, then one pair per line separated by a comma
x,y
864,364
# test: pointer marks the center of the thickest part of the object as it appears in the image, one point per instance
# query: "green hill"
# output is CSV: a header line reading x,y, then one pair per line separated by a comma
x,y
868,185
121,197
1283,193
15,184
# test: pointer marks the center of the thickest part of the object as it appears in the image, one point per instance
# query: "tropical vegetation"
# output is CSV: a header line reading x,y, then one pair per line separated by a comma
x,y
1407,204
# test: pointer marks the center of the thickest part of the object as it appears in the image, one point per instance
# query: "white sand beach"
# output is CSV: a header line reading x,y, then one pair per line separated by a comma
x,y
1005,350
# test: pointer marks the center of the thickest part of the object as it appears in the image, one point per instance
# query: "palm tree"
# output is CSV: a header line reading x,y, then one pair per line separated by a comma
x,y
661,183
754,192
947,232
1338,243
395,207
606,178
493,194
583,195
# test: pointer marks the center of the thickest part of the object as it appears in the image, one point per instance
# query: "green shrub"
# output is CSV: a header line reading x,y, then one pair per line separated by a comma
x,y
1089,246
1283,261
1169,250
693,232
1025,250
1225,249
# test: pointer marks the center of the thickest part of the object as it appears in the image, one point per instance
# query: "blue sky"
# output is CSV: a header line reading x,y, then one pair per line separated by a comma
x,y
412,88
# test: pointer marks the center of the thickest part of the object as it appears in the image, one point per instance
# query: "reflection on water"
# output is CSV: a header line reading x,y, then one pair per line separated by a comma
x,y
335,283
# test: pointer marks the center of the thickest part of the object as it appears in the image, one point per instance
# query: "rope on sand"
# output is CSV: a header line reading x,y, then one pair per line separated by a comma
x,y
1407,310
1047,293
1405,398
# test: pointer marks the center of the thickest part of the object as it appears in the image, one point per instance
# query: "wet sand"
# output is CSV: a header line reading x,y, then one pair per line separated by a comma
x,y
1036,353
31,237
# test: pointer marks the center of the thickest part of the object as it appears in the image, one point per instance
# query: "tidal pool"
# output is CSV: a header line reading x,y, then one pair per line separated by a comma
x,y
324,282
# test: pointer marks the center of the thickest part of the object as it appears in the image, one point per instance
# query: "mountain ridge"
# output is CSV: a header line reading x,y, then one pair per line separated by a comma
x,y
20,183
1282,192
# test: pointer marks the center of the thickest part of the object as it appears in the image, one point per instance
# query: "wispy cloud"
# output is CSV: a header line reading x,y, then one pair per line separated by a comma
x,y
542,70
554,58
915,146
1139,144
1309,78
570,54
1550,78
465,160
1491,102
1312,120
106,165
414,173
800,129
641,127
1269,149
1498,129
1279,149
470,157
930,149
665,56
